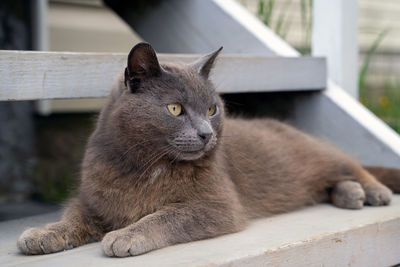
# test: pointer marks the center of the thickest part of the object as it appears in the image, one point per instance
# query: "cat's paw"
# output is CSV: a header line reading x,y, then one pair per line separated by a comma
x,y
35,241
378,194
348,195
124,243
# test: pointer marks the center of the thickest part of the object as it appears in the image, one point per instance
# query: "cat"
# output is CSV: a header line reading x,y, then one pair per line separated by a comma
x,y
164,166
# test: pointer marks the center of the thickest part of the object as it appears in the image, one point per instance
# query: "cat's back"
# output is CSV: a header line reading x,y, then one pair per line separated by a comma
x,y
260,133
252,143
263,137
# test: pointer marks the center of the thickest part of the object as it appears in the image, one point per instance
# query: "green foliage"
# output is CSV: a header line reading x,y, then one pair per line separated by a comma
x,y
60,145
384,103
53,184
371,51
306,24
267,11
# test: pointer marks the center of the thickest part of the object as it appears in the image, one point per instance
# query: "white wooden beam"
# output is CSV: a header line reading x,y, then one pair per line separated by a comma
x,y
26,75
336,117
334,35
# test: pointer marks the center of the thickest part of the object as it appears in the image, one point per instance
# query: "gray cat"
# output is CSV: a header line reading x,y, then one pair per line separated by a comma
x,y
160,169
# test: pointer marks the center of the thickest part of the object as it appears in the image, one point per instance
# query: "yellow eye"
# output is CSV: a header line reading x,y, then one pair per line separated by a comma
x,y
212,110
175,109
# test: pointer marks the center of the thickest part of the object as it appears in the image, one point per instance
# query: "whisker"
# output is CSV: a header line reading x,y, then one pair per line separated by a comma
x,y
154,155
177,155
137,144
166,151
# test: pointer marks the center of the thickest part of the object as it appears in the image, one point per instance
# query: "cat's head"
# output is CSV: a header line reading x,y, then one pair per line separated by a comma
x,y
173,110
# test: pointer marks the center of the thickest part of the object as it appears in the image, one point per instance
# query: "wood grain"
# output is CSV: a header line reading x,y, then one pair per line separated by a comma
x,y
27,75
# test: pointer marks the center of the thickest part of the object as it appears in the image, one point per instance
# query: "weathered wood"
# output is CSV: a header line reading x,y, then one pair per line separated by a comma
x,y
317,236
50,75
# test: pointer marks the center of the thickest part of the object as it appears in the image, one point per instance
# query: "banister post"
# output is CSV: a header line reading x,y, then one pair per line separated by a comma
x,y
334,36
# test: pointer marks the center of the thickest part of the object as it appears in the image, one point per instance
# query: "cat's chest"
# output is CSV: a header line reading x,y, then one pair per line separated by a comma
x,y
127,200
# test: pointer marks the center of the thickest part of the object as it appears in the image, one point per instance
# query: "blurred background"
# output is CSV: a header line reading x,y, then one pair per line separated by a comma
x,y
42,142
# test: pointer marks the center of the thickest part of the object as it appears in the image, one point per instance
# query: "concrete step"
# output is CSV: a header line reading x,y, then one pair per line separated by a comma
x,y
316,236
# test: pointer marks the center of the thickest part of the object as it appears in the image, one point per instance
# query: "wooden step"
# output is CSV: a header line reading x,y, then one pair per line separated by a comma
x,y
27,75
322,235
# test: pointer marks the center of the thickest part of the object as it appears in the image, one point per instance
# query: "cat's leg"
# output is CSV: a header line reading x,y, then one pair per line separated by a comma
x,y
348,195
376,193
176,223
357,187
74,229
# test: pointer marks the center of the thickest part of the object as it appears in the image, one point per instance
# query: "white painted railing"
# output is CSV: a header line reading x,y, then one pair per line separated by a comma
x,y
334,36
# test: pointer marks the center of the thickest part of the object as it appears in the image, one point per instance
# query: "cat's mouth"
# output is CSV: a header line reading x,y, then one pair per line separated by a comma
x,y
192,151
191,155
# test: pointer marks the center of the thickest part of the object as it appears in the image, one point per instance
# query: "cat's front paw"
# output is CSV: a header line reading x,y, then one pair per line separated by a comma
x,y
40,241
348,195
125,243
378,194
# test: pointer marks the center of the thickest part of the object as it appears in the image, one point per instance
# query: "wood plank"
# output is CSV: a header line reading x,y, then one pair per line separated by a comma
x,y
27,75
322,235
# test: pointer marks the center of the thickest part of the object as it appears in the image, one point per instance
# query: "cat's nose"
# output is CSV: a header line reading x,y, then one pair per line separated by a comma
x,y
205,136
204,131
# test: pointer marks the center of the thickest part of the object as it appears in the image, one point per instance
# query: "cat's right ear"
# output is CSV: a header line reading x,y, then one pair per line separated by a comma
x,y
206,63
142,64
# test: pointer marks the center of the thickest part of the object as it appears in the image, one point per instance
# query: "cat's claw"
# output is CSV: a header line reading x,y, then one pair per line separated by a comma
x,y
123,243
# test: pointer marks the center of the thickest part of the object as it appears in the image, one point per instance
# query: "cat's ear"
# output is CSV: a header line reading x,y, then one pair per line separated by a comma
x,y
142,64
206,63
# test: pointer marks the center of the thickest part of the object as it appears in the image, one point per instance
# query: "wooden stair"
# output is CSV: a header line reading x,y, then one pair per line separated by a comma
x,y
322,235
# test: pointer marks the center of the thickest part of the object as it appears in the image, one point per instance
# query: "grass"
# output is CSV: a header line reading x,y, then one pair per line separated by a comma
x,y
371,51
384,104
278,20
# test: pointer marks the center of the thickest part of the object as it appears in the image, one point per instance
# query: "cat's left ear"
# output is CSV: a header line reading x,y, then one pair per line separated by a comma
x,y
142,64
206,63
